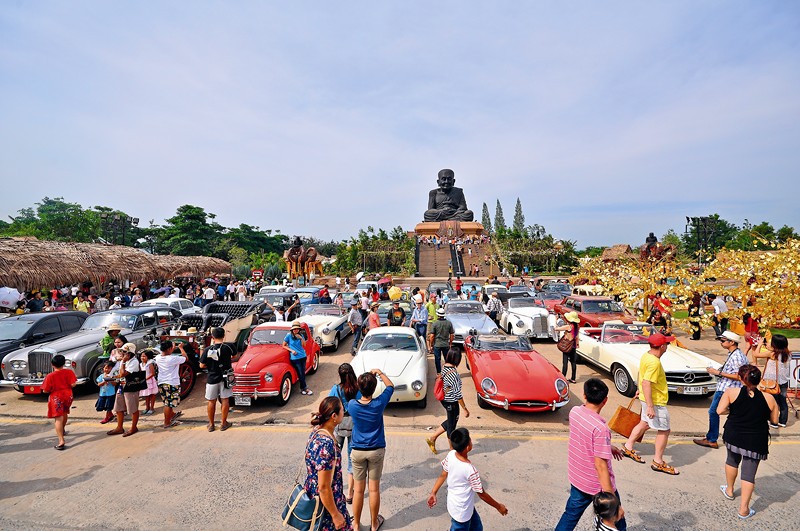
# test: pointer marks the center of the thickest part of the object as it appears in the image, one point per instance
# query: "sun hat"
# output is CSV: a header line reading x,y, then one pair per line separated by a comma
x,y
129,347
730,336
192,330
114,326
657,340
354,302
296,324
572,317
374,305
440,312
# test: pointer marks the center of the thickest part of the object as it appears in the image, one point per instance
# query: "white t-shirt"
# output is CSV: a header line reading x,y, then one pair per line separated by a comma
x,y
280,317
132,365
208,293
463,482
719,306
168,369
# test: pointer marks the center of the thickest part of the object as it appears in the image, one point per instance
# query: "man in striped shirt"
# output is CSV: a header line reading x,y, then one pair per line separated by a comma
x,y
589,455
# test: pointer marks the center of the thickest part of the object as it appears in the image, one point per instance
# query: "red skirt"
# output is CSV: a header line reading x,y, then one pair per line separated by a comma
x,y
59,403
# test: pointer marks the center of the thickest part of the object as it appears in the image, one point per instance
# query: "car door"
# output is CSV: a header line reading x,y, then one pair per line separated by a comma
x,y
47,329
70,323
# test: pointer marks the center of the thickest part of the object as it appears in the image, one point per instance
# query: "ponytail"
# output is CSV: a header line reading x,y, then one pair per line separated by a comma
x,y
329,407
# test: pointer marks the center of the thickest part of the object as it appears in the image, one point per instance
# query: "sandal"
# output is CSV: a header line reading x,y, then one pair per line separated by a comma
x,y
225,426
381,520
211,427
665,468
130,432
749,514
631,454
724,490
60,446
349,500
431,445
115,432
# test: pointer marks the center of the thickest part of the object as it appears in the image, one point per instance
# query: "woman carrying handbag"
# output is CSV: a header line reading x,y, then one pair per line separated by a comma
x,y
451,383
568,343
777,370
346,390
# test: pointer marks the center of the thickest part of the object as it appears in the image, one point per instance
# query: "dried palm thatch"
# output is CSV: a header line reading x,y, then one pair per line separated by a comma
x,y
31,263
617,252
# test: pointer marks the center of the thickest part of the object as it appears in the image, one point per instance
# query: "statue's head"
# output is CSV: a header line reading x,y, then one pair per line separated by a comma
x,y
446,180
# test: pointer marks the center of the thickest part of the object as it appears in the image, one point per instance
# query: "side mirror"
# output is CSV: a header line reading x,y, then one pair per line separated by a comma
x,y
152,332
37,336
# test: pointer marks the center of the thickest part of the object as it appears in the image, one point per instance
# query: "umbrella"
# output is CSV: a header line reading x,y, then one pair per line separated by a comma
x,y
160,290
384,280
9,297
359,276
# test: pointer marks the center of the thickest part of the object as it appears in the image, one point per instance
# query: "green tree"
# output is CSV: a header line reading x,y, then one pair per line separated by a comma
x,y
398,234
486,220
716,232
499,220
189,232
786,233
590,252
519,218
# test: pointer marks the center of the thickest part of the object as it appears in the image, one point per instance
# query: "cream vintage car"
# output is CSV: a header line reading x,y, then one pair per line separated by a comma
x,y
617,347
329,323
528,316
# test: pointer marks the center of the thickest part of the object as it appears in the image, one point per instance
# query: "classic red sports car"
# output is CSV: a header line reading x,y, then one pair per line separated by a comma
x,y
508,373
594,311
264,370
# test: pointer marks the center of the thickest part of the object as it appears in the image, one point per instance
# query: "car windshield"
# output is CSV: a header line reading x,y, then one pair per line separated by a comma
x,y
268,337
464,307
558,286
274,298
523,302
390,342
106,319
364,286
518,288
322,309
385,306
550,295
495,288
518,343
468,286
11,329
601,307
627,333
304,295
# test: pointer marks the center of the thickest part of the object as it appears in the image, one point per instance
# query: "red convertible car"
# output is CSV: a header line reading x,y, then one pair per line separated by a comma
x,y
594,311
508,373
264,370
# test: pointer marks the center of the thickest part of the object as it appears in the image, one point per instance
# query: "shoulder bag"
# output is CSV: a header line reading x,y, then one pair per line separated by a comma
x,y
624,420
769,386
345,427
438,389
135,382
566,343
302,511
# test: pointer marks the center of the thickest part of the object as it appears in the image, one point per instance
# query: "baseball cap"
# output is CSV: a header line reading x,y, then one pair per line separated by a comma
x,y
657,340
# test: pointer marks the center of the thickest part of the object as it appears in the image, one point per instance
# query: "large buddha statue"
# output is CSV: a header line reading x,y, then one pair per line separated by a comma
x,y
447,202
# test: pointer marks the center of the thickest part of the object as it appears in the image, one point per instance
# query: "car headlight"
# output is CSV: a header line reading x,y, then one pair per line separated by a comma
x,y
268,377
488,386
326,330
520,324
562,387
416,385
18,365
10,376
69,363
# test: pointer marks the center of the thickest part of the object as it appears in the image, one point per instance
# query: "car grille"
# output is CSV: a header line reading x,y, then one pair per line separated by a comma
x,y
688,378
247,380
40,362
458,337
401,387
528,403
539,326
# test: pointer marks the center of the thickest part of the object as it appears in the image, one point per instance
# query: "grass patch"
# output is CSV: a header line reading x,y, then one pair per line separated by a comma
x,y
680,314
788,332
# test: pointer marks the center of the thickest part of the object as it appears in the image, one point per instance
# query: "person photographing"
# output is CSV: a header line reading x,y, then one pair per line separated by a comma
x,y
217,359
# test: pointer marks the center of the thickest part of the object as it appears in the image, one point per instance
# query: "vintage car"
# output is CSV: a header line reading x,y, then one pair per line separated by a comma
x,y
527,316
82,349
444,287
591,290
19,331
329,323
308,295
550,298
561,288
264,369
277,288
401,354
539,282
466,316
283,298
365,285
594,311
471,285
617,347
488,289
385,306
508,373
184,306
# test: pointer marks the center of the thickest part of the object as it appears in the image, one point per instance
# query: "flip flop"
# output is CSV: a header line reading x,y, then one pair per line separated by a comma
x,y
349,500
381,520
632,454
724,490
225,426
130,432
431,445
62,446
115,432
172,424
665,468
751,513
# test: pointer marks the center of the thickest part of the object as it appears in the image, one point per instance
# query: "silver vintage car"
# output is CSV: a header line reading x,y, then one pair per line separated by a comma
x,y
26,368
466,316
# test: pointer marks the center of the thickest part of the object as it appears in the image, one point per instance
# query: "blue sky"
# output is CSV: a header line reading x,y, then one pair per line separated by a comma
x,y
608,120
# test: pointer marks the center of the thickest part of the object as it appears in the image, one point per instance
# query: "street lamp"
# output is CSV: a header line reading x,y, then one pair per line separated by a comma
x,y
117,222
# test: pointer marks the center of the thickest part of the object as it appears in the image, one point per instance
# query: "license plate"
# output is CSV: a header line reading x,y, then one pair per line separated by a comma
x,y
693,390
242,400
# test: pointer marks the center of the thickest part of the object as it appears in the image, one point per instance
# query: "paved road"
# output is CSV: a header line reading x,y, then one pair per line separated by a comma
x,y
189,478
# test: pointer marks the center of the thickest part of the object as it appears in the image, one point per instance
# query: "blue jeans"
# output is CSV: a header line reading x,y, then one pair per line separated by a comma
x,y
300,368
422,329
473,524
577,503
438,354
713,418
356,337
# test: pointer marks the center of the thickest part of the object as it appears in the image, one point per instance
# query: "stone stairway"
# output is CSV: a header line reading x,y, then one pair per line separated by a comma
x,y
434,262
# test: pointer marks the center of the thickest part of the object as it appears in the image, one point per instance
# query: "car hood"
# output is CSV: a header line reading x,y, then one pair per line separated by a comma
x,y
391,362
676,359
520,370
463,322
318,321
256,357
74,341
609,316
529,312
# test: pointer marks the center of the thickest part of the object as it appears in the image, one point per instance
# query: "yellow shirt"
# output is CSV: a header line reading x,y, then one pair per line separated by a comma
x,y
82,306
650,369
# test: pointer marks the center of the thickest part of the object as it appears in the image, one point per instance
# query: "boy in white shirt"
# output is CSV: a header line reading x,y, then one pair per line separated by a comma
x,y
463,484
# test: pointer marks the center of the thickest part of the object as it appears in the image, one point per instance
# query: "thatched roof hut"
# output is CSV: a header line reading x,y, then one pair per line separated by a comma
x,y
28,263
620,251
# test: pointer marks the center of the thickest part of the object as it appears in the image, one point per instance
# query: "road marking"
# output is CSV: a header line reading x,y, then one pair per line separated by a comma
x,y
297,429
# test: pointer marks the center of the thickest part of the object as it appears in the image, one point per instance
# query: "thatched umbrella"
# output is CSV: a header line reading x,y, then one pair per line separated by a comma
x,y
198,266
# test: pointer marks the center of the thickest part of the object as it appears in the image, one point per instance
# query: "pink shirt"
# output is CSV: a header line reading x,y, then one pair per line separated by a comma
x,y
589,437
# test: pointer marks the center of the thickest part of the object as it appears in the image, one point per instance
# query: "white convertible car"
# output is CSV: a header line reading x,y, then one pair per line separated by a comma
x,y
528,316
617,347
329,323
400,353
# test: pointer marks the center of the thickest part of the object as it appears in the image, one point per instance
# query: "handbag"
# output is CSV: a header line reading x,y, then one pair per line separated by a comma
x,y
566,343
438,389
135,382
624,420
302,511
345,427
769,386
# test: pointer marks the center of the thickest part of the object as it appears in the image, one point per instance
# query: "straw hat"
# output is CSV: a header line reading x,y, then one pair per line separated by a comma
x,y
572,317
192,330
114,326
296,324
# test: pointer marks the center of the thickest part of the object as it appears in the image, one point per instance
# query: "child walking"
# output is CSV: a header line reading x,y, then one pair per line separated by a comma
x,y
107,385
463,484
607,510
59,384
149,366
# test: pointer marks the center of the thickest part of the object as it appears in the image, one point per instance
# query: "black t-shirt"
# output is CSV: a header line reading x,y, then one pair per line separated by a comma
x,y
397,317
217,367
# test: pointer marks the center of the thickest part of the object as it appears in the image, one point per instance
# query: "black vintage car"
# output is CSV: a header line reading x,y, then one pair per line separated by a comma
x,y
20,331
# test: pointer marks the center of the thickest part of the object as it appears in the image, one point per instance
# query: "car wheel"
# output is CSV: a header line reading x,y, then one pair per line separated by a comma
x,y
315,365
483,404
336,342
188,376
422,404
623,381
96,371
286,389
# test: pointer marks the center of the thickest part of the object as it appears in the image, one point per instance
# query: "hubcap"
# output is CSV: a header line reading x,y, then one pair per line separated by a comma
x,y
621,380
285,390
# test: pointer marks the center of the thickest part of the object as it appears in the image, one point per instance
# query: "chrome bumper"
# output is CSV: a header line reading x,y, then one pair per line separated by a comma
x,y
257,394
504,403
31,382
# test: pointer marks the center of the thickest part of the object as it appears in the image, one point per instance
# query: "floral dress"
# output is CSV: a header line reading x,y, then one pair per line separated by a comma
x,y
322,454
59,384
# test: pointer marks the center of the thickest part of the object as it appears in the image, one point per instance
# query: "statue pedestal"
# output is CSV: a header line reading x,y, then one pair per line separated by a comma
x,y
449,229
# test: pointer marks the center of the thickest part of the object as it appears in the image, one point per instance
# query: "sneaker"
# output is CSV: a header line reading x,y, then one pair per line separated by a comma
x,y
774,426
781,425
306,392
